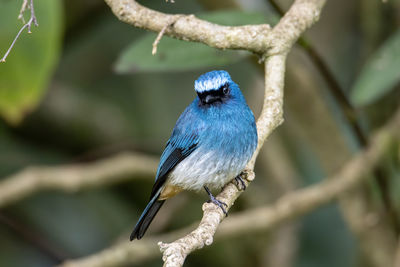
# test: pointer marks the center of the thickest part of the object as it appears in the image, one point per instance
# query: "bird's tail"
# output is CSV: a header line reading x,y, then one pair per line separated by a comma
x,y
147,217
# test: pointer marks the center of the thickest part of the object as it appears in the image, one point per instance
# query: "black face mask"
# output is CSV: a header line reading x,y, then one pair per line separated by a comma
x,y
213,96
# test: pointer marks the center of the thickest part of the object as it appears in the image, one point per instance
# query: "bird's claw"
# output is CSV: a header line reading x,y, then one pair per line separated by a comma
x,y
219,204
239,181
216,201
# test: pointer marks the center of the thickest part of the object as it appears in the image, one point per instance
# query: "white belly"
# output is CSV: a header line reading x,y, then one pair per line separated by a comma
x,y
210,168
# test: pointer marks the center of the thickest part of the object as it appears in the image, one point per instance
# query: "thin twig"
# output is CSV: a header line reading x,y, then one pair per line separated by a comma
x,y
22,11
158,39
161,33
33,17
28,25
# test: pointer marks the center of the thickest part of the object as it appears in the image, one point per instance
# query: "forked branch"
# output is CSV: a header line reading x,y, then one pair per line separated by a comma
x,y
28,25
273,45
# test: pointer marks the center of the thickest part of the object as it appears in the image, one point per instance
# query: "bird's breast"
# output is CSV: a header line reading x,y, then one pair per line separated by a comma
x,y
226,141
214,163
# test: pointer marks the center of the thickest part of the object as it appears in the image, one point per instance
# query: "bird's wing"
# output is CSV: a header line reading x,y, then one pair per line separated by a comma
x,y
178,147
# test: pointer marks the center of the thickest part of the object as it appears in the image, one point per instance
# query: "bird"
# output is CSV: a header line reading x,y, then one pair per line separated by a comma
x,y
210,145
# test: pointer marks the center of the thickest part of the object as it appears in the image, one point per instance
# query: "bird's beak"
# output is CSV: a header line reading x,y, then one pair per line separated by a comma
x,y
208,99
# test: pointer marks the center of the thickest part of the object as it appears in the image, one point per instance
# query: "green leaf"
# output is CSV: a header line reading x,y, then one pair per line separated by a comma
x,y
172,55
176,55
27,71
380,74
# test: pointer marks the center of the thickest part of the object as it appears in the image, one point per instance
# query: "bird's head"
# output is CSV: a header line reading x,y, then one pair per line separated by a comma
x,y
216,87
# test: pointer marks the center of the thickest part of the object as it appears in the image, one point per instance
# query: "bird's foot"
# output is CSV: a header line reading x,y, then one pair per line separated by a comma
x,y
219,204
240,183
216,201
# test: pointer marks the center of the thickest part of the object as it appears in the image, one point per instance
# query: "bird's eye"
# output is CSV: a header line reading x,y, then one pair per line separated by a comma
x,y
225,89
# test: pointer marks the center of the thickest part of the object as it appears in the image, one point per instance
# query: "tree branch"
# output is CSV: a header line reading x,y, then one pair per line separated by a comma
x,y
273,45
287,207
190,28
75,177
255,38
174,253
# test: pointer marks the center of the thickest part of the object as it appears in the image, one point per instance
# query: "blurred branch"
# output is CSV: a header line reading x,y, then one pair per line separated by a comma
x,y
74,177
336,90
282,244
40,242
397,259
350,114
376,238
282,247
287,207
28,25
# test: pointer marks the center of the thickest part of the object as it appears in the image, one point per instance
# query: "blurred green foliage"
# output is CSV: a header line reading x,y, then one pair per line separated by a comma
x,y
90,112
380,74
173,55
26,75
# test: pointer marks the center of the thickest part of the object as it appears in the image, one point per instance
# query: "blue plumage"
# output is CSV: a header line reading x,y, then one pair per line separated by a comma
x,y
211,143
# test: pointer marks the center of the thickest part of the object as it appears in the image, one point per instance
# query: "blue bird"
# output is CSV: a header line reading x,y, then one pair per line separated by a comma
x,y
211,143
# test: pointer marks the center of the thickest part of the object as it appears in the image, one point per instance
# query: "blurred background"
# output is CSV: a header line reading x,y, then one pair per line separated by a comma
x,y
84,86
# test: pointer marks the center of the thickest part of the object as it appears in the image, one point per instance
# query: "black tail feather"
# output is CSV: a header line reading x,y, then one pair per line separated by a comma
x,y
147,217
